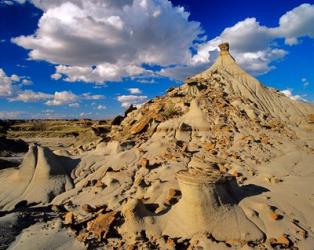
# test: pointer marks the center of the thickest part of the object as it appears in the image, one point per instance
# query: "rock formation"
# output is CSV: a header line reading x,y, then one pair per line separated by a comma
x,y
186,169
39,178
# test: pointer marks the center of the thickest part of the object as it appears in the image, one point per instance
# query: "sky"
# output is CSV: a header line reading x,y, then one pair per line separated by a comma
x,y
94,58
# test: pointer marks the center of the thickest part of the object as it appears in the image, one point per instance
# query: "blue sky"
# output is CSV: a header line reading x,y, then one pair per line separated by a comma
x,y
93,58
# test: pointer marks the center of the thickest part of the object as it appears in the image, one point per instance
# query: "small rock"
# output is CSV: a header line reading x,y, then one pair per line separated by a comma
x,y
143,162
222,168
265,140
275,216
55,208
99,227
82,236
87,208
99,184
68,218
172,193
274,180
208,146
235,173
170,243
283,240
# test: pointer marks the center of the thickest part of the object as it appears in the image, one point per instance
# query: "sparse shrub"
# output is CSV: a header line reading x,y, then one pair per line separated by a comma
x,y
39,126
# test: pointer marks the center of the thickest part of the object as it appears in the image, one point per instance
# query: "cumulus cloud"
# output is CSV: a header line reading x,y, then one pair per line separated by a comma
x,y
297,23
74,105
27,82
305,82
101,107
89,96
99,41
6,84
67,97
10,85
61,98
30,96
10,114
288,93
56,76
107,40
252,44
98,74
127,100
134,91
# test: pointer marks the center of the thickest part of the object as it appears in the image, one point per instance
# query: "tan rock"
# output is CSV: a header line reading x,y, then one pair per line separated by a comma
x,y
172,193
235,173
68,218
55,208
208,146
99,227
265,139
275,216
310,118
143,162
283,240
140,126
82,236
99,184
170,243
274,180
87,208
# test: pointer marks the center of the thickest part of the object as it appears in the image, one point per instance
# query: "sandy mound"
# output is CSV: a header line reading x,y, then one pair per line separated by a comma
x,y
41,176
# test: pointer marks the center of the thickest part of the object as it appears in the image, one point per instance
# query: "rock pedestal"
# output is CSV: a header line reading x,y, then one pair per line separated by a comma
x,y
207,206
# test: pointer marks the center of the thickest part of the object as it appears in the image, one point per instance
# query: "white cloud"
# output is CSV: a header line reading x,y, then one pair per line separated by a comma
x,y
6,2
134,91
84,115
6,84
30,96
15,78
89,96
74,105
10,114
106,40
127,100
305,82
98,74
253,45
56,76
99,41
297,23
61,98
27,82
288,93
101,107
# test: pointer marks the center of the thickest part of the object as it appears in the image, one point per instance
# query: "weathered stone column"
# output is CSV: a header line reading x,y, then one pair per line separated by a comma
x,y
207,206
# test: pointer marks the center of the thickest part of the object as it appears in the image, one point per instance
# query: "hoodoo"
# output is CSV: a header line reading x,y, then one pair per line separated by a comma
x,y
208,206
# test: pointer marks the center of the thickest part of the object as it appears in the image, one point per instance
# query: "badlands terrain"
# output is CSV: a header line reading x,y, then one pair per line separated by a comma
x,y
221,162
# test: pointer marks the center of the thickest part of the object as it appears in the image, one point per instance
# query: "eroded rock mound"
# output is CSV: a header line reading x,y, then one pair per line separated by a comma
x,y
41,176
